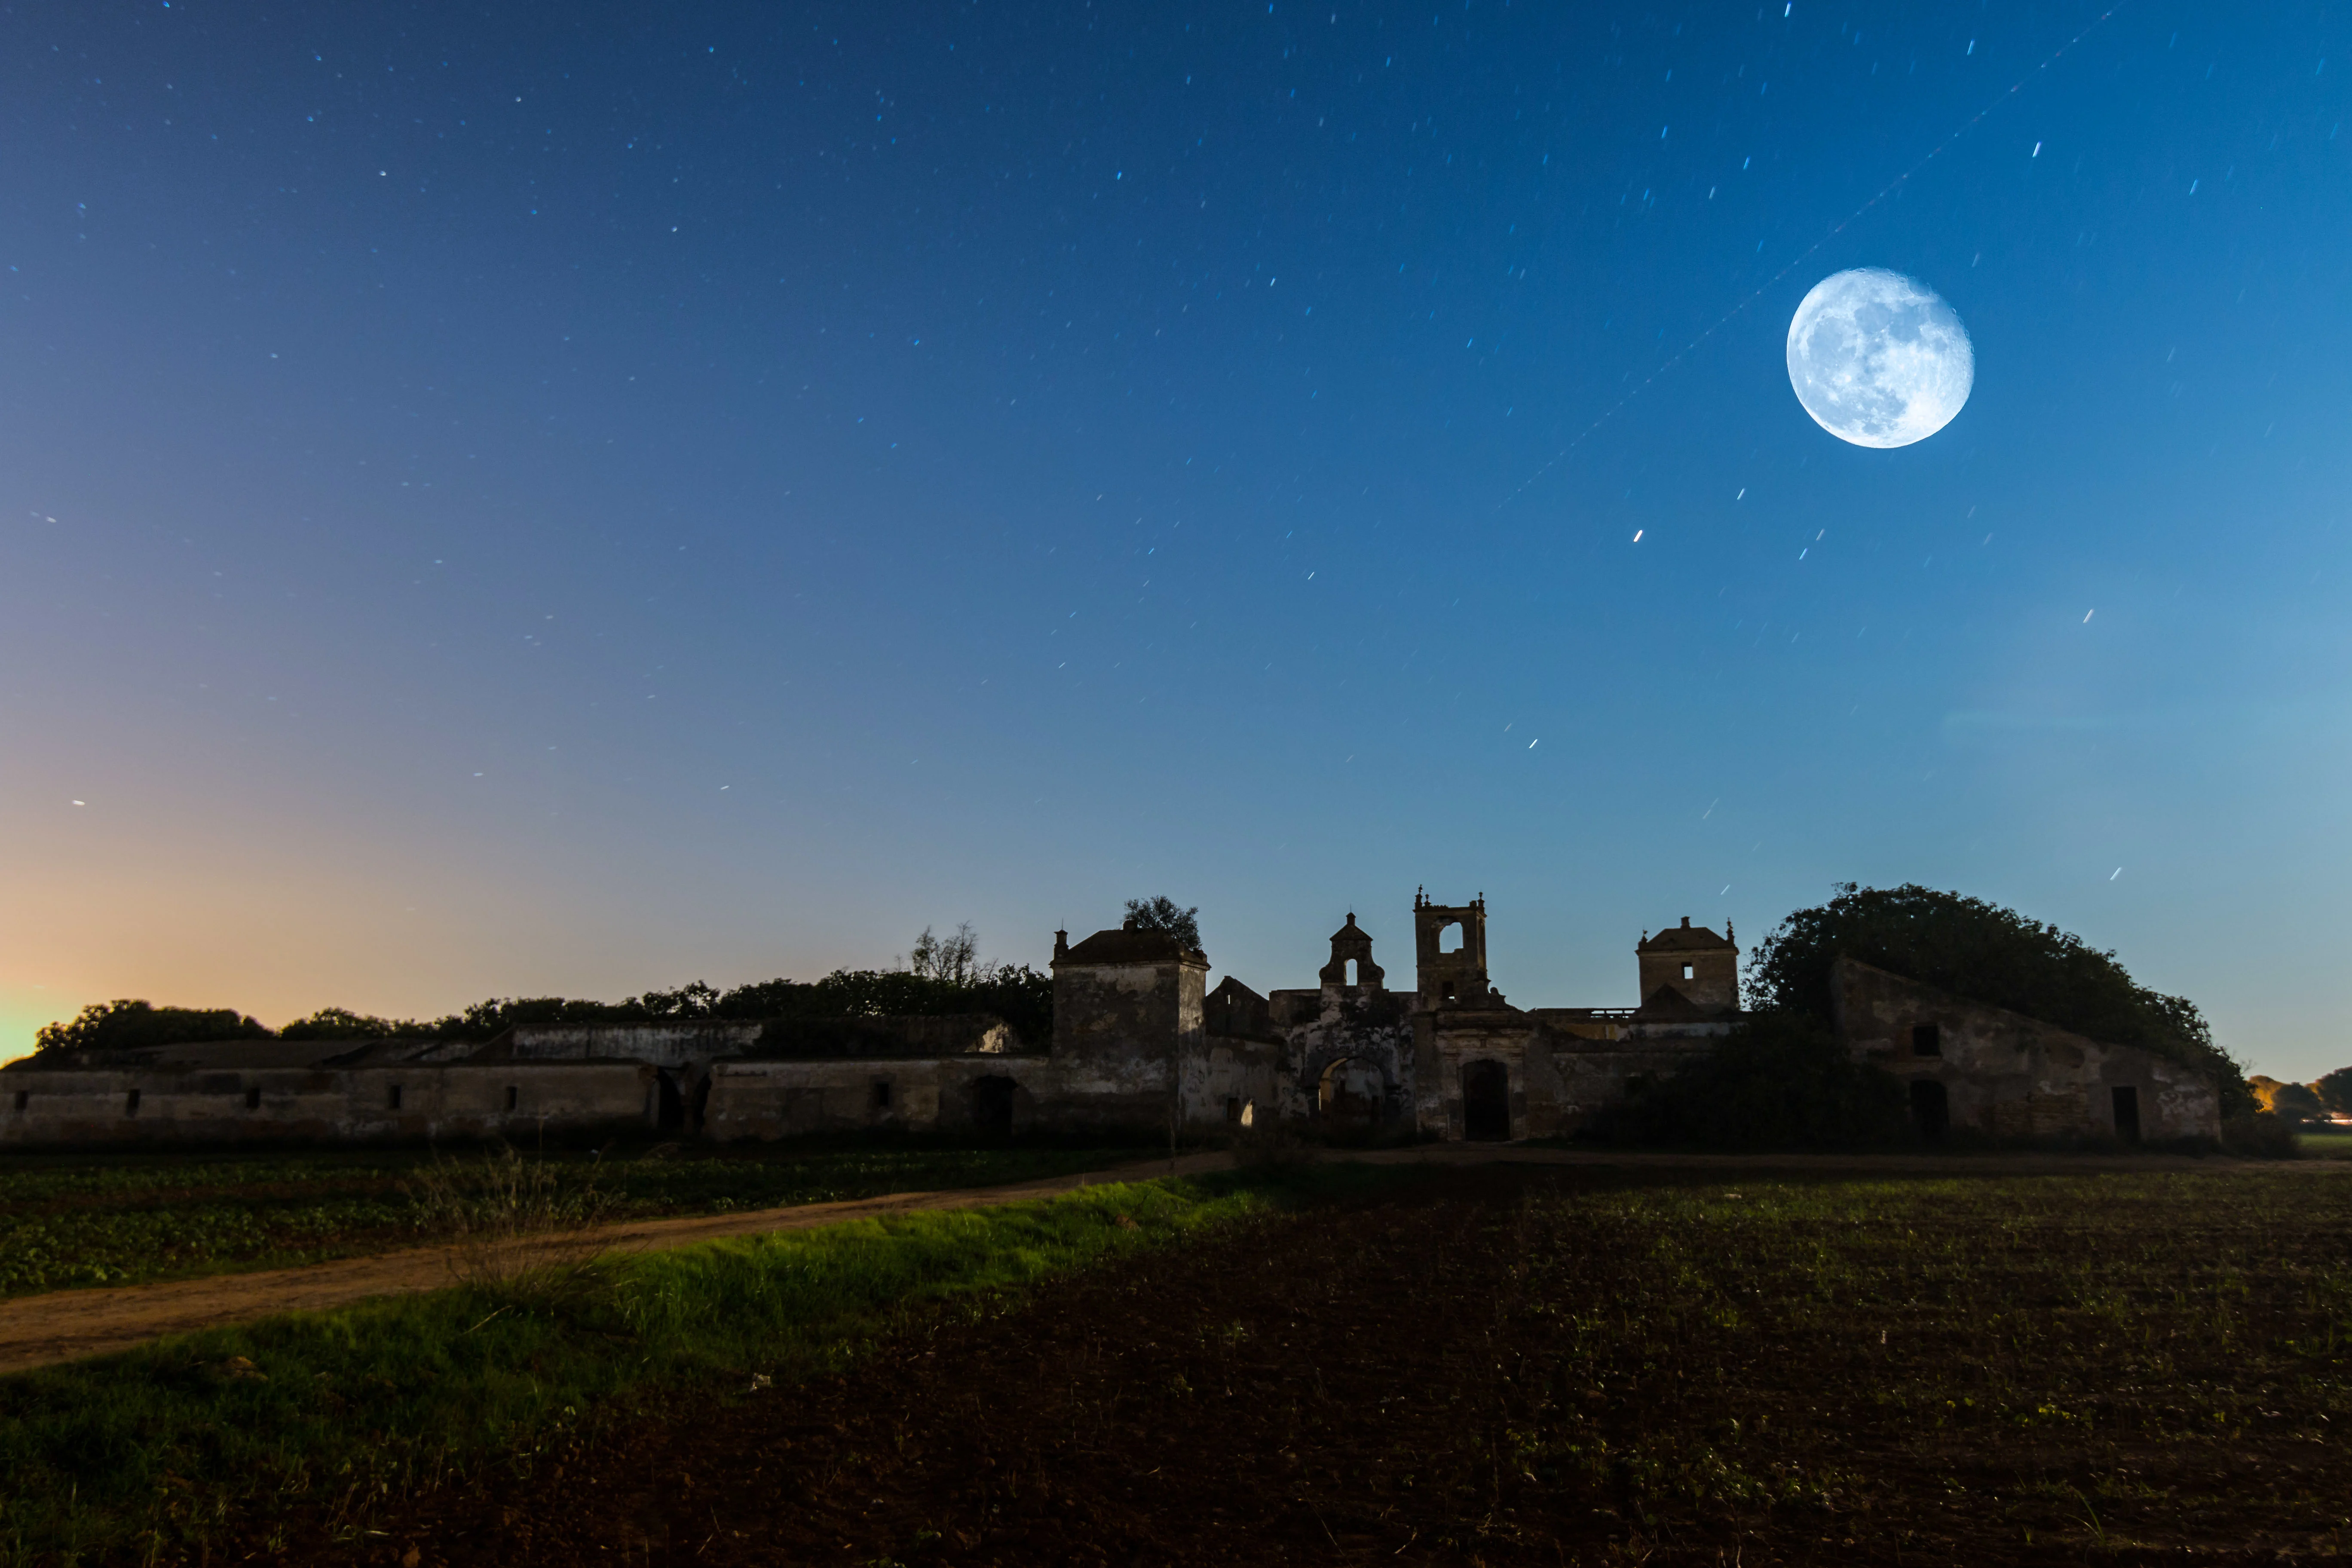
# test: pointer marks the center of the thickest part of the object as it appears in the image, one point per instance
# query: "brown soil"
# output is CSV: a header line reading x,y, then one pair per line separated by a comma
x,y
1348,1386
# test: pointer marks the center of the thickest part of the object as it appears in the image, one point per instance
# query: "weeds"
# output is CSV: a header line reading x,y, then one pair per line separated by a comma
x,y
519,1228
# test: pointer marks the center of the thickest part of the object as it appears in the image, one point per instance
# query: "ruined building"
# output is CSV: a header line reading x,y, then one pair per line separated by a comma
x,y
1140,1047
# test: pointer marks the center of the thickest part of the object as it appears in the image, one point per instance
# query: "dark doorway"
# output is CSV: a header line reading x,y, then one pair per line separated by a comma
x,y
2127,1102
670,1106
1486,1101
1931,1110
992,1106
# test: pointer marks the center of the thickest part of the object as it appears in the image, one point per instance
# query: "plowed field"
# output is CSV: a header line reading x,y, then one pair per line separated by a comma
x,y
1544,1366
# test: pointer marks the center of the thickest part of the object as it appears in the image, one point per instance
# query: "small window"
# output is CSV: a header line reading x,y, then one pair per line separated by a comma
x,y
130,1103
1448,991
1926,1040
393,1099
514,1096
1352,972
881,1094
1233,1109
253,1099
1687,972
24,1098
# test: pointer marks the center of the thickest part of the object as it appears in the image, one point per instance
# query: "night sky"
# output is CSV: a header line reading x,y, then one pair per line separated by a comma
x,y
527,500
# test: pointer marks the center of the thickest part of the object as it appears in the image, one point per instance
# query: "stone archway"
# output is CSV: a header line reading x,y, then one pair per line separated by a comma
x,y
1350,1094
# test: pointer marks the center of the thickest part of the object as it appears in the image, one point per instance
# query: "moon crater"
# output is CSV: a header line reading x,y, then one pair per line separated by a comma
x,y
1879,359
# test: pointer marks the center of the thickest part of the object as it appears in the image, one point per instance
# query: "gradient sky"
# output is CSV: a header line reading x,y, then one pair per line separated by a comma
x,y
519,500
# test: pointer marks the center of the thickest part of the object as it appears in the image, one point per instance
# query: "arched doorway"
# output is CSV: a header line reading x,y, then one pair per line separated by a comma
x,y
992,1106
1931,1110
670,1106
1486,1101
1350,1094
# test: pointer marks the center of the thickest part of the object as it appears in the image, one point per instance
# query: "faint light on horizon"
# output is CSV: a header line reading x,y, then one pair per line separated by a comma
x,y
82,803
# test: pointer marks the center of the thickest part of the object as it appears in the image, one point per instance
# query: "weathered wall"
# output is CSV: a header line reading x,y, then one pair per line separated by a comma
x,y
512,1100
1326,1029
1231,1082
667,1045
2011,1076
1119,1029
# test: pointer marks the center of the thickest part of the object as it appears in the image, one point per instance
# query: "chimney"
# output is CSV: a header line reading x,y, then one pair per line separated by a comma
x,y
1687,922
1061,945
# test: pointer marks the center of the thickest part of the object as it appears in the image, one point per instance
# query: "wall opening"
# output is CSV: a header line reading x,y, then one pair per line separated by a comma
x,y
253,1099
1486,1101
24,1098
1233,1109
670,1106
1249,1113
1926,1040
1348,1094
1449,937
1445,990
2127,1105
1351,973
992,1106
392,1100
1931,1110
130,1103
1690,970
881,1094
514,1096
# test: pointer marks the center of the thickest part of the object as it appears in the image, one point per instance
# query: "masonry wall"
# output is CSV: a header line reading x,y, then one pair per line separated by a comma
x,y
1338,1026
509,1099
1119,1029
2011,1076
667,1045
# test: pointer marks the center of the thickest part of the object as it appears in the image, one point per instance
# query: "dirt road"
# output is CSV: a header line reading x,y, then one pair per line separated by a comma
x,y
66,1325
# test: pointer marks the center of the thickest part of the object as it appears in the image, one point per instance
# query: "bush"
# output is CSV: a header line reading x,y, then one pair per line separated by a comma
x,y
1781,1081
2259,1136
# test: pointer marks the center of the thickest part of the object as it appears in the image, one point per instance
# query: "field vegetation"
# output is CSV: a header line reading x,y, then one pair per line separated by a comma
x,y
69,1220
1545,1366
329,1417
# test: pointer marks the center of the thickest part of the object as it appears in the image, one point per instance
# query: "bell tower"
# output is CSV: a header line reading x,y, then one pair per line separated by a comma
x,y
1450,951
1352,943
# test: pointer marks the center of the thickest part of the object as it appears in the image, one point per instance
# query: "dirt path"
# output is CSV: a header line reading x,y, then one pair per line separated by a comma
x,y
66,1325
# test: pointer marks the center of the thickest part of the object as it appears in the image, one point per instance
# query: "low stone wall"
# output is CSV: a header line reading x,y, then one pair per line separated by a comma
x,y
983,1092
661,1045
261,1105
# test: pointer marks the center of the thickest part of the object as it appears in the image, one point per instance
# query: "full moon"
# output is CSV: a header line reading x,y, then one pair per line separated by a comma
x,y
1878,359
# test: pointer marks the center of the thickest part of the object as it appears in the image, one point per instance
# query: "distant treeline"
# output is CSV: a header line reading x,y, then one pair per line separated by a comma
x,y
942,976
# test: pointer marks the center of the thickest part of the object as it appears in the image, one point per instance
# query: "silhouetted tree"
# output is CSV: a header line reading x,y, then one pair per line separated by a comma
x,y
126,1024
2335,1090
1161,915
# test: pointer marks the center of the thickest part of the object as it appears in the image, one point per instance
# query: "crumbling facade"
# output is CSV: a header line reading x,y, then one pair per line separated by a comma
x,y
1140,1047
1967,1065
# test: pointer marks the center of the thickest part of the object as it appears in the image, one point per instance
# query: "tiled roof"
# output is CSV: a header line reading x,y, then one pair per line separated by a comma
x,y
1124,946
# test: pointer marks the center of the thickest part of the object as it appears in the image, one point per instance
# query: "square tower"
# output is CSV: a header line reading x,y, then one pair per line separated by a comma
x,y
1451,975
1696,964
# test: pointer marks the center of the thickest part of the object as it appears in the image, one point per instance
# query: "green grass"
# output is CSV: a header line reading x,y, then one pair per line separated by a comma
x,y
82,1220
149,1452
2327,1145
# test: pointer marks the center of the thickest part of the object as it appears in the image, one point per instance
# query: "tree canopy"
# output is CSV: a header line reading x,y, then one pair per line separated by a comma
x,y
1161,913
1985,954
127,1025
944,976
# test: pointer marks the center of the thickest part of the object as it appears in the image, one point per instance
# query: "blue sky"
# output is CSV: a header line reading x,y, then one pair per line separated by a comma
x,y
515,506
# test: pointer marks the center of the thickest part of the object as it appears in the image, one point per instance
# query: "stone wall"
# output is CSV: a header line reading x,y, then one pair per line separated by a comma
x,y
2010,1076
407,1102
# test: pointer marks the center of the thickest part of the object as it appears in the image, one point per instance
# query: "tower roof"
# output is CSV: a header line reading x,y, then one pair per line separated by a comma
x,y
1685,938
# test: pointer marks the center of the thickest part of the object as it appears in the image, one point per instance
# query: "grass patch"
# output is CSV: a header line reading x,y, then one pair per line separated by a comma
x,y
2326,1145
153,1452
70,1221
